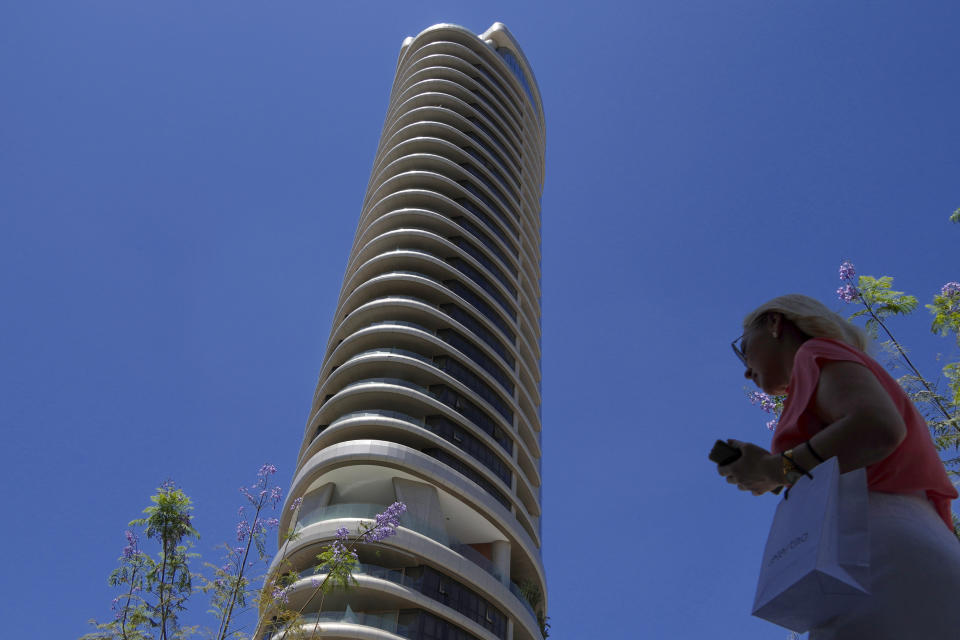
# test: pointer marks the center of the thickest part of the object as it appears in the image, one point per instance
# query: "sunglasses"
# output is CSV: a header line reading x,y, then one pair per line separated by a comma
x,y
737,346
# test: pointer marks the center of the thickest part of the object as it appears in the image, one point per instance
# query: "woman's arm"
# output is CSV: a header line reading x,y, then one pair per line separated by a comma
x,y
863,428
863,424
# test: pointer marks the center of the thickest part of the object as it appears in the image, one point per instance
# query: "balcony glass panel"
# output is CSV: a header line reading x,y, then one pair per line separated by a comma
x,y
493,80
465,470
470,444
476,122
492,168
378,413
501,130
369,512
440,587
473,382
393,351
413,578
473,413
517,70
480,358
493,153
490,224
461,290
476,173
385,620
426,626
488,264
480,280
471,323
491,107
487,241
490,204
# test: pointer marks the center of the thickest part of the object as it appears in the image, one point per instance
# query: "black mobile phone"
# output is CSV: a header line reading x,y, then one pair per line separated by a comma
x,y
723,453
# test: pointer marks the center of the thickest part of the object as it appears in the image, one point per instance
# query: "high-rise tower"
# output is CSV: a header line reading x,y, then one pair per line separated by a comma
x,y
429,392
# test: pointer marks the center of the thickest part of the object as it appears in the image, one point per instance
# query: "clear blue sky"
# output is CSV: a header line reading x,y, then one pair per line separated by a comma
x,y
179,187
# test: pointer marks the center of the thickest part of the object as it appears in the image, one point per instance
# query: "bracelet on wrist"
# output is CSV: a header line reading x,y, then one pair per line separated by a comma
x,y
791,470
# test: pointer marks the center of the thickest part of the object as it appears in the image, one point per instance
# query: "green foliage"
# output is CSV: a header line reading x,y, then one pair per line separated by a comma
x,y
339,569
937,400
952,374
132,620
946,315
530,590
880,301
226,589
955,216
168,521
154,591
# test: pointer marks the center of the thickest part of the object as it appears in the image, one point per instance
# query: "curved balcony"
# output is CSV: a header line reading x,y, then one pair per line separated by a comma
x,y
369,512
429,389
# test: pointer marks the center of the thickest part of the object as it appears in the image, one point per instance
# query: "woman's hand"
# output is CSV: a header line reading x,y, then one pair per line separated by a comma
x,y
756,470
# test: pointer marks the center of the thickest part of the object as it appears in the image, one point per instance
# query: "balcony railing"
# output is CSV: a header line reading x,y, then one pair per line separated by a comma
x,y
369,511
386,621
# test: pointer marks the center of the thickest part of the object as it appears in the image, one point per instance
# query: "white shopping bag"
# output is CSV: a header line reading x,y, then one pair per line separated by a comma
x,y
816,564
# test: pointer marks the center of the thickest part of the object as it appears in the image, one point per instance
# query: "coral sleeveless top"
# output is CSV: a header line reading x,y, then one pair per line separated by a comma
x,y
913,467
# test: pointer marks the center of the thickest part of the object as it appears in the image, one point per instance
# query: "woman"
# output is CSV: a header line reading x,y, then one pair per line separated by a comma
x,y
840,402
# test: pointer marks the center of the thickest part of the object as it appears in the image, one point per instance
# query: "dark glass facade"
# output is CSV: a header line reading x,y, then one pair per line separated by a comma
x,y
488,312
487,263
470,444
467,204
480,280
473,352
473,413
487,241
464,469
461,599
473,382
420,625
480,331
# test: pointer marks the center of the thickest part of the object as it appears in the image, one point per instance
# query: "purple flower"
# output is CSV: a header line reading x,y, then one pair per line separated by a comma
x,y
280,595
772,424
386,523
266,470
275,495
847,271
132,541
342,534
847,293
273,523
296,504
950,289
315,582
766,402
243,530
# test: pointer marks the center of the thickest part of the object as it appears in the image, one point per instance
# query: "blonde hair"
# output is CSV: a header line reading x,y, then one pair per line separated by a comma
x,y
811,317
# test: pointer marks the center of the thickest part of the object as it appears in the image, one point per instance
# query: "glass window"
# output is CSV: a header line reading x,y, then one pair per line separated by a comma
x,y
473,352
478,329
517,70
473,413
482,197
467,204
486,240
480,280
488,312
